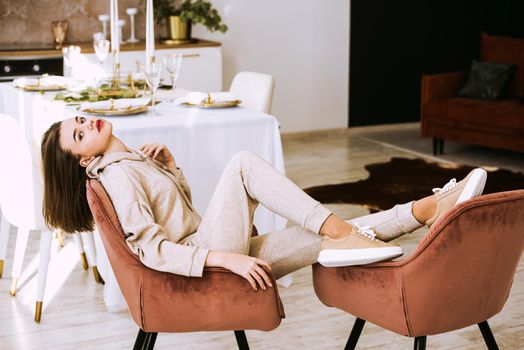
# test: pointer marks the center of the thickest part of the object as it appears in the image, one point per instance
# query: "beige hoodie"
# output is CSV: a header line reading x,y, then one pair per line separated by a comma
x,y
154,208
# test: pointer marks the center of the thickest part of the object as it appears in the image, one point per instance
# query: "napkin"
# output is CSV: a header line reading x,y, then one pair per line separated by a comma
x,y
122,103
52,80
202,97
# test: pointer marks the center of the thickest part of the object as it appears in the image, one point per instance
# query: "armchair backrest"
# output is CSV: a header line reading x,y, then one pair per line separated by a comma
x,y
20,179
126,265
505,50
462,272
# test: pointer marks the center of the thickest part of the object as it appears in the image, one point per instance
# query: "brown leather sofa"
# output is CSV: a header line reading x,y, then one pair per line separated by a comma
x,y
497,124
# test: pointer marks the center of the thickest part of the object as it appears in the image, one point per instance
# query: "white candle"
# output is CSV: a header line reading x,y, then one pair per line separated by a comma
x,y
115,44
150,32
147,31
112,24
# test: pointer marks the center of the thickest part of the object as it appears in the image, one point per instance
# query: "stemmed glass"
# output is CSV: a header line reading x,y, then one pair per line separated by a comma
x,y
173,63
152,72
101,47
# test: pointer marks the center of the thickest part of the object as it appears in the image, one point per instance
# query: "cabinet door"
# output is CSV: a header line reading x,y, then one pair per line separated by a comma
x,y
201,68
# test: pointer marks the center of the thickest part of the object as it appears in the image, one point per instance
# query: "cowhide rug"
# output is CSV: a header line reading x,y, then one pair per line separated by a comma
x,y
401,180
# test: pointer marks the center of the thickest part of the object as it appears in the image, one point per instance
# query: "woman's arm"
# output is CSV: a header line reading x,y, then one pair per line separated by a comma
x,y
246,266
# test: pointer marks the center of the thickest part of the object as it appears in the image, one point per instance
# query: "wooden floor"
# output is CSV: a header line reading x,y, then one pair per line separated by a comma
x,y
76,317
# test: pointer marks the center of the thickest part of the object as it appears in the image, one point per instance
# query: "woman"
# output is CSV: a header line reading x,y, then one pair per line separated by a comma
x,y
153,203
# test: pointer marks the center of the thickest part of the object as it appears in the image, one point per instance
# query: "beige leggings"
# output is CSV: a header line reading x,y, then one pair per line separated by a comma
x,y
249,180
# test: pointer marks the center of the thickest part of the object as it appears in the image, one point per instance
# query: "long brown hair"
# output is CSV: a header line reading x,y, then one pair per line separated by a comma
x,y
65,203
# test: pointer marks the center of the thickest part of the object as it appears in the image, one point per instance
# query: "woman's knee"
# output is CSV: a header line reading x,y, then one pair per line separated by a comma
x,y
243,159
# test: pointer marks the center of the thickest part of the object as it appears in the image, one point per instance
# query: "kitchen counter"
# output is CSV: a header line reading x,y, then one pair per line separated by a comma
x,y
87,47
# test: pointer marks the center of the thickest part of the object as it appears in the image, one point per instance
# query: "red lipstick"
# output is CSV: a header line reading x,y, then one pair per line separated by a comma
x,y
99,124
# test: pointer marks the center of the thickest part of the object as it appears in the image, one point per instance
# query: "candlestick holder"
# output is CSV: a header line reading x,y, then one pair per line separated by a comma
x,y
115,91
115,84
104,19
132,12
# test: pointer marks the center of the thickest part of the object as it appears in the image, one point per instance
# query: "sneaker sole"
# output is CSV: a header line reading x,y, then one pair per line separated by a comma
x,y
351,257
474,186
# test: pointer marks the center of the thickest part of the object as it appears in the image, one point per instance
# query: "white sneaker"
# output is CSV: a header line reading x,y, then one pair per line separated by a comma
x,y
360,247
454,193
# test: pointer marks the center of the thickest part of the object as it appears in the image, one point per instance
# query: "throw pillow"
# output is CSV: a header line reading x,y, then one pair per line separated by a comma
x,y
486,80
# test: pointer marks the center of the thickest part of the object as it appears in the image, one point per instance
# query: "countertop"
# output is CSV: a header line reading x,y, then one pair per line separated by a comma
x,y
87,47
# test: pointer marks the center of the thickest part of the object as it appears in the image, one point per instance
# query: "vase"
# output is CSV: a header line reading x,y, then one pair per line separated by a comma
x,y
59,30
178,31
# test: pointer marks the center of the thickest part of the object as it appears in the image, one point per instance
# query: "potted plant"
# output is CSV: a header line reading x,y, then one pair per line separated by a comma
x,y
180,15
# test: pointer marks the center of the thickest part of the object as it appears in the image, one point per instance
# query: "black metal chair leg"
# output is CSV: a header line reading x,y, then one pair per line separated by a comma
x,y
139,342
420,343
355,334
150,341
241,340
145,340
435,147
488,336
441,146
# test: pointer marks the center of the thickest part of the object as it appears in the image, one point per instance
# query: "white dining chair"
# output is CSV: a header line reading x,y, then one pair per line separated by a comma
x,y
21,203
5,227
255,90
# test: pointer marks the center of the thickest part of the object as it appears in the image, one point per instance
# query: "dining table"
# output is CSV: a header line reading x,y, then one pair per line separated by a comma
x,y
202,140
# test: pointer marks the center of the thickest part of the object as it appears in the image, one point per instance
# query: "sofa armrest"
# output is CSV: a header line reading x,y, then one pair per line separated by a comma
x,y
440,86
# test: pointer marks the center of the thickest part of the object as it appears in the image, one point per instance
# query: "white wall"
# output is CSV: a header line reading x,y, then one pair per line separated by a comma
x,y
304,44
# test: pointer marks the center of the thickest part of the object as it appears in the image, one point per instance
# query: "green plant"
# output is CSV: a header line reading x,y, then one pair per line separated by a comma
x,y
194,11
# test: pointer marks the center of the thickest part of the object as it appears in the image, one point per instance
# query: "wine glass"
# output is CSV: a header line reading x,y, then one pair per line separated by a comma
x,y
173,63
152,72
101,47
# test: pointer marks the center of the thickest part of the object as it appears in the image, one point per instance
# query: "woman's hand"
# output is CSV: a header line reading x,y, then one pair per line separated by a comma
x,y
160,153
252,269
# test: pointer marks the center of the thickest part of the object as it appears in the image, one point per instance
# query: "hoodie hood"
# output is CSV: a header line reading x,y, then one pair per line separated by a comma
x,y
99,163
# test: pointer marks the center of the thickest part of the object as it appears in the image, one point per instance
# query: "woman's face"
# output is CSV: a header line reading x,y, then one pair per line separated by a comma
x,y
85,137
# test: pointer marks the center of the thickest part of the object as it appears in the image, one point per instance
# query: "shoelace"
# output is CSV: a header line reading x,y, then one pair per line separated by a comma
x,y
365,231
447,187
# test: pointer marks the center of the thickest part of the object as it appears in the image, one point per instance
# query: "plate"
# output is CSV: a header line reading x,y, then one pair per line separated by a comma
x,y
42,88
116,111
212,104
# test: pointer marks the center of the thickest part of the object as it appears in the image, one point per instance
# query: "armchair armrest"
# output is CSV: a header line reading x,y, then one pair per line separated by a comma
x,y
219,300
440,86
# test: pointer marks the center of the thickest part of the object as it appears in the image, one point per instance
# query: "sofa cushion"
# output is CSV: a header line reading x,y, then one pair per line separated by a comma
x,y
486,80
503,116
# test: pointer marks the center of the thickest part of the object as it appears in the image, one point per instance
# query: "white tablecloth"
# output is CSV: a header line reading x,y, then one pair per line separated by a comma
x,y
202,141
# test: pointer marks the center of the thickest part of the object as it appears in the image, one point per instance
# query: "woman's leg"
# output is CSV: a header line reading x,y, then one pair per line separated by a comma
x,y
390,224
287,250
247,181
293,248
406,218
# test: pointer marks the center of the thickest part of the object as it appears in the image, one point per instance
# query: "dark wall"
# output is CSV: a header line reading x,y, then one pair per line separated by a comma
x,y
394,42
503,17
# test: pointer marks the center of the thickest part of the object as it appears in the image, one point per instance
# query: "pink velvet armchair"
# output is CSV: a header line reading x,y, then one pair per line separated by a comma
x,y
162,302
459,275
